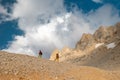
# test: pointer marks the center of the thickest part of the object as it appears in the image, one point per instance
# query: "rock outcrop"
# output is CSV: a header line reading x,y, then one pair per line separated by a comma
x,y
86,41
101,49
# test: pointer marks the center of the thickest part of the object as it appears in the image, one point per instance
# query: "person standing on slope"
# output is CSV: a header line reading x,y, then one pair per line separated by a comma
x,y
57,57
40,54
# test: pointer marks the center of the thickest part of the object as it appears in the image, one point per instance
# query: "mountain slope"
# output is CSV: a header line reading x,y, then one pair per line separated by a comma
x,y
22,67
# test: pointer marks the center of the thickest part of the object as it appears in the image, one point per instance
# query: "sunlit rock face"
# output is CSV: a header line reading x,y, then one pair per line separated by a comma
x,y
86,41
100,49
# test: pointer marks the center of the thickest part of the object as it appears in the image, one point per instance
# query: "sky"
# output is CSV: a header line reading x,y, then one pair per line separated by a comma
x,y
27,26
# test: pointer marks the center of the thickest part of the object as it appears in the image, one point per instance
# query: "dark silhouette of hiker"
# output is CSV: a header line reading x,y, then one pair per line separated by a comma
x,y
57,57
40,54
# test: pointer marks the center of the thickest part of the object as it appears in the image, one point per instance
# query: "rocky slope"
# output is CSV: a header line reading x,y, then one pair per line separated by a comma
x,y
100,49
22,67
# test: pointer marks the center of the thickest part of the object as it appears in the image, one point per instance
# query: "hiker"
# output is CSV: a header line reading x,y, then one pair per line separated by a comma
x,y
57,57
40,54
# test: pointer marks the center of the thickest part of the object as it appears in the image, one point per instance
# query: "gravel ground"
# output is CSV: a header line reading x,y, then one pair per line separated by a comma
x,y
23,67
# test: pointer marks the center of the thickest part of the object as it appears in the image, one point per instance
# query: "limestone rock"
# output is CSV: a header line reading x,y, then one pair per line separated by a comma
x,y
96,49
86,40
104,34
53,55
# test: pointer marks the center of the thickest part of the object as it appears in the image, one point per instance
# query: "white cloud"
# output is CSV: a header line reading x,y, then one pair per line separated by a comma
x,y
106,15
48,26
4,15
28,8
97,1
3,10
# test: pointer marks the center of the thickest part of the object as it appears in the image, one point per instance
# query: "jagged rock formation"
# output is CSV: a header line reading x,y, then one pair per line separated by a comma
x,y
54,54
102,49
86,41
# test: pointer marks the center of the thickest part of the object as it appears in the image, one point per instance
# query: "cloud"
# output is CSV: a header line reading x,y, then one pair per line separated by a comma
x,y
4,15
97,1
38,7
3,10
104,16
47,25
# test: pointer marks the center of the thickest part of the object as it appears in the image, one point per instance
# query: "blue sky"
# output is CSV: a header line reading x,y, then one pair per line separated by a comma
x,y
7,32
27,26
8,29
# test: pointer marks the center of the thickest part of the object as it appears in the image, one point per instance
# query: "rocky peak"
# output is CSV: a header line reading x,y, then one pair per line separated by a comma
x,y
62,54
104,34
117,29
86,40
53,56
89,44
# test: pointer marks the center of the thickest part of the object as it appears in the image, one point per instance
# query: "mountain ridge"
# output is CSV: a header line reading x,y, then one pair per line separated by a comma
x,y
95,49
